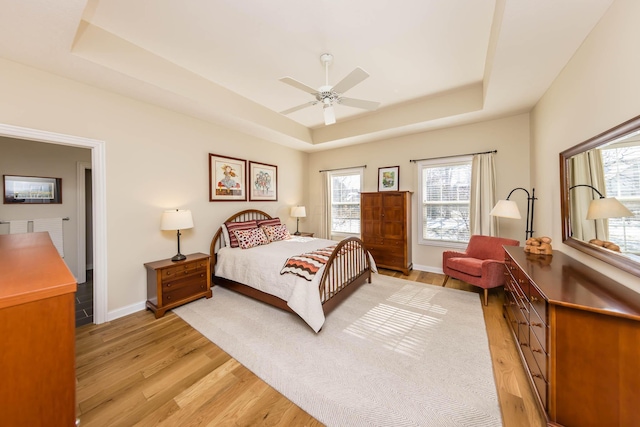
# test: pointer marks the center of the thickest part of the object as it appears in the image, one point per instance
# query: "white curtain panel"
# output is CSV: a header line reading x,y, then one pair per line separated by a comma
x,y
325,217
586,168
483,195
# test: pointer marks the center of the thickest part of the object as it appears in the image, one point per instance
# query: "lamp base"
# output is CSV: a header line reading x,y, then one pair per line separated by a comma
x,y
297,233
178,257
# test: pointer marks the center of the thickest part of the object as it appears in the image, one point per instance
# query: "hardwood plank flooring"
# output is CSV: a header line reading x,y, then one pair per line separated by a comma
x,y
142,371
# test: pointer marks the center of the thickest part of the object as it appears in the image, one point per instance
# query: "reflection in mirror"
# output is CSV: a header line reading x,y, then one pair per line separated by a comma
x,y
600,183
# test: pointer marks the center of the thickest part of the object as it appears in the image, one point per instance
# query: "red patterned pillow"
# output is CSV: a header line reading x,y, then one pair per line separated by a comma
x,y
276,232
251,238
233,226
272,221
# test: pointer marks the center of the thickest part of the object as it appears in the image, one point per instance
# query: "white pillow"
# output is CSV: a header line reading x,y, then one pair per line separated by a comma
x,y
225,235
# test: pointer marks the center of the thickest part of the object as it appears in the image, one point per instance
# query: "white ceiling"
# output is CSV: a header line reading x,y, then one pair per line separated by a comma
x,y
432,63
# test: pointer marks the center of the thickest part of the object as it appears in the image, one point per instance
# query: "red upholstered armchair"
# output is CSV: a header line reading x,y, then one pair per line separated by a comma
x,y
481,264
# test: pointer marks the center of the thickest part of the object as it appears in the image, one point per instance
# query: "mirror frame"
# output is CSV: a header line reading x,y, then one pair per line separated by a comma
x,y
617,260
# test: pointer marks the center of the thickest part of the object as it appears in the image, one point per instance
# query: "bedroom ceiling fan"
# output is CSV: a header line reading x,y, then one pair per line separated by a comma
x,y
329,95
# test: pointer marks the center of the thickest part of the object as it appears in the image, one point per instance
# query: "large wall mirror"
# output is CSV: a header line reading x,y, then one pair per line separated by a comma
x,y
600,191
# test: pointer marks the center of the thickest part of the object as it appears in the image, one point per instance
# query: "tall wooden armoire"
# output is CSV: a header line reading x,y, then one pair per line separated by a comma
x,y
386,228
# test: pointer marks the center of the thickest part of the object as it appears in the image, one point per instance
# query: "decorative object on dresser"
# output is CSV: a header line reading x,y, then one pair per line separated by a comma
x,y
176,220
263,181
389,178
298,212
481,264
227,179
256,270
171,283
509,209
578,333
538,245
386,228
37,326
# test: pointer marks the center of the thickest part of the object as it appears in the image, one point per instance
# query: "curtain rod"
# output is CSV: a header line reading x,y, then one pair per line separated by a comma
x,y
457,155
339,169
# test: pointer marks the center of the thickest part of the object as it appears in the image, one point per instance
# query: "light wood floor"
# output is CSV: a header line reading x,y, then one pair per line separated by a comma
x,y
140,371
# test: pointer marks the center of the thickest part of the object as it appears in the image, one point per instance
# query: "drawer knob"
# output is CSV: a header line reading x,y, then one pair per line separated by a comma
x,y
524,344
168,285
537,376
534,298
539,325
536,350
522,323
168,297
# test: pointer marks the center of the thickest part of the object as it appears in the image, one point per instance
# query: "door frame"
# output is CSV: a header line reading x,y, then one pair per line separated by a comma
x,y
98,186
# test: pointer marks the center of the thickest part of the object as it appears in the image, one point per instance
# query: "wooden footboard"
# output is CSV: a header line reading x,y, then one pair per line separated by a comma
x,y
348,267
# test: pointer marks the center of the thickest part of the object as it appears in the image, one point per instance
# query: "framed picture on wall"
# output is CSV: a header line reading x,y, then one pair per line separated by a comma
x,y
32,190
227,179
263,182
389,178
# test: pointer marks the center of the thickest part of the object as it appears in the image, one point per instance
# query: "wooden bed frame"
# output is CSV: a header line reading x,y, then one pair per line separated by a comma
x,y
342,274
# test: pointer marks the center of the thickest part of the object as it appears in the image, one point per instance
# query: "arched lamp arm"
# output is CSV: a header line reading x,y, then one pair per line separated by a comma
x,y
590,186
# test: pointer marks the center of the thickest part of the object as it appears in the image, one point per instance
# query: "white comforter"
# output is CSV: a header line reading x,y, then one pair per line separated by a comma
x,y
260,268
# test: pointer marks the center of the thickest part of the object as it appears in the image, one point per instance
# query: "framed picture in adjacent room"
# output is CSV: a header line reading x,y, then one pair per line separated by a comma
x,y
32,190
389,178
227,179
263,182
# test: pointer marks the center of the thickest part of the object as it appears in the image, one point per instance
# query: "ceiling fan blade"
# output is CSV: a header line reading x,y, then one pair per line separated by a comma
x,y
355,77
329,115
299,107
359,103
298,85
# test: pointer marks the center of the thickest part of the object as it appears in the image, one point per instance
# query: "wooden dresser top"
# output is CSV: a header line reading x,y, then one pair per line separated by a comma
x,y
567,282
31,269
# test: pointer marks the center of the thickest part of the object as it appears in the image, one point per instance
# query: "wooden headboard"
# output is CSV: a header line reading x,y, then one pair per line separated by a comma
x,y
246,215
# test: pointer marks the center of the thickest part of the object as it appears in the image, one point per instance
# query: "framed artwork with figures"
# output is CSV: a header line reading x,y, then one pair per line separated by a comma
x,y
263,182
227,179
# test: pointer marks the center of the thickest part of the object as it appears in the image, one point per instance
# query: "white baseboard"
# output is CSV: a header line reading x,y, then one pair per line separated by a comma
x,y
428,269
125,311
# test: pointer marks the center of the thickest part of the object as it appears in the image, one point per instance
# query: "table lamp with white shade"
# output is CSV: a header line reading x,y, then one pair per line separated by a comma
x,y
177,219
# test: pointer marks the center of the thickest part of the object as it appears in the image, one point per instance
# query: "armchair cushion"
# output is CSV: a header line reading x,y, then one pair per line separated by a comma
x,y
471,266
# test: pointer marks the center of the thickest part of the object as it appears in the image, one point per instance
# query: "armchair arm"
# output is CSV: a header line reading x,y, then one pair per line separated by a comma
x,y
493,272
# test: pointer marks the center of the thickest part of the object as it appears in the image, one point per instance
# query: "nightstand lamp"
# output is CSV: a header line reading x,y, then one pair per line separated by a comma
x,y
298,212
177,219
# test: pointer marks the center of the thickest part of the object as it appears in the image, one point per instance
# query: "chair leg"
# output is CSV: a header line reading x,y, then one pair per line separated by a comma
x,y
446,277
486,297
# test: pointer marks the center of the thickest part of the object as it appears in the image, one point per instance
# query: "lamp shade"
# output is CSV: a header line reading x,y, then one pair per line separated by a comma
x,y
298,212
506,209
176,219
607,207
329,115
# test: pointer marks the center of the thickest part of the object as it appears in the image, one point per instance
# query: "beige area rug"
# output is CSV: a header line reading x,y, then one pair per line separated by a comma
x,y
395,353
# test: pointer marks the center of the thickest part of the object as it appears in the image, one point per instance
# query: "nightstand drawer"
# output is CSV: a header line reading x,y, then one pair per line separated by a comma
x,y
187,289
198,276
184,269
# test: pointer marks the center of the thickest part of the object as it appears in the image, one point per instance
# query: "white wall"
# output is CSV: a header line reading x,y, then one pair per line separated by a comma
x,y
155,160
597,90
510,136
27,158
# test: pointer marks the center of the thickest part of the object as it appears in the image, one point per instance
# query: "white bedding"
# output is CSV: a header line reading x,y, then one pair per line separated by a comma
x,y
260,268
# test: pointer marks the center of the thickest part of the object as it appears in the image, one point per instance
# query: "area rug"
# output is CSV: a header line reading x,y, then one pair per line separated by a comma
x,y
395,353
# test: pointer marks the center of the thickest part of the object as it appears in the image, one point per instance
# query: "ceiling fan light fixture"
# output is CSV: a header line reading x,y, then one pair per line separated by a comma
x,y
329,115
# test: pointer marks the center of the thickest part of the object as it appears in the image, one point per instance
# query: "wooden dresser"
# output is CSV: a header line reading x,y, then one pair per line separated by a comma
x,y
37,329
578,334
386,228
170,284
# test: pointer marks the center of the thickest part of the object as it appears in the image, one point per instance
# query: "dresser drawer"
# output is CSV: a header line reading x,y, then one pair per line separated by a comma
x,y
539,303
539,329
540,355
539,380
187,290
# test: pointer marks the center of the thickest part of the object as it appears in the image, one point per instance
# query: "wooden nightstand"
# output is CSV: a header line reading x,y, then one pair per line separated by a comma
x,y
170,284
304,234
